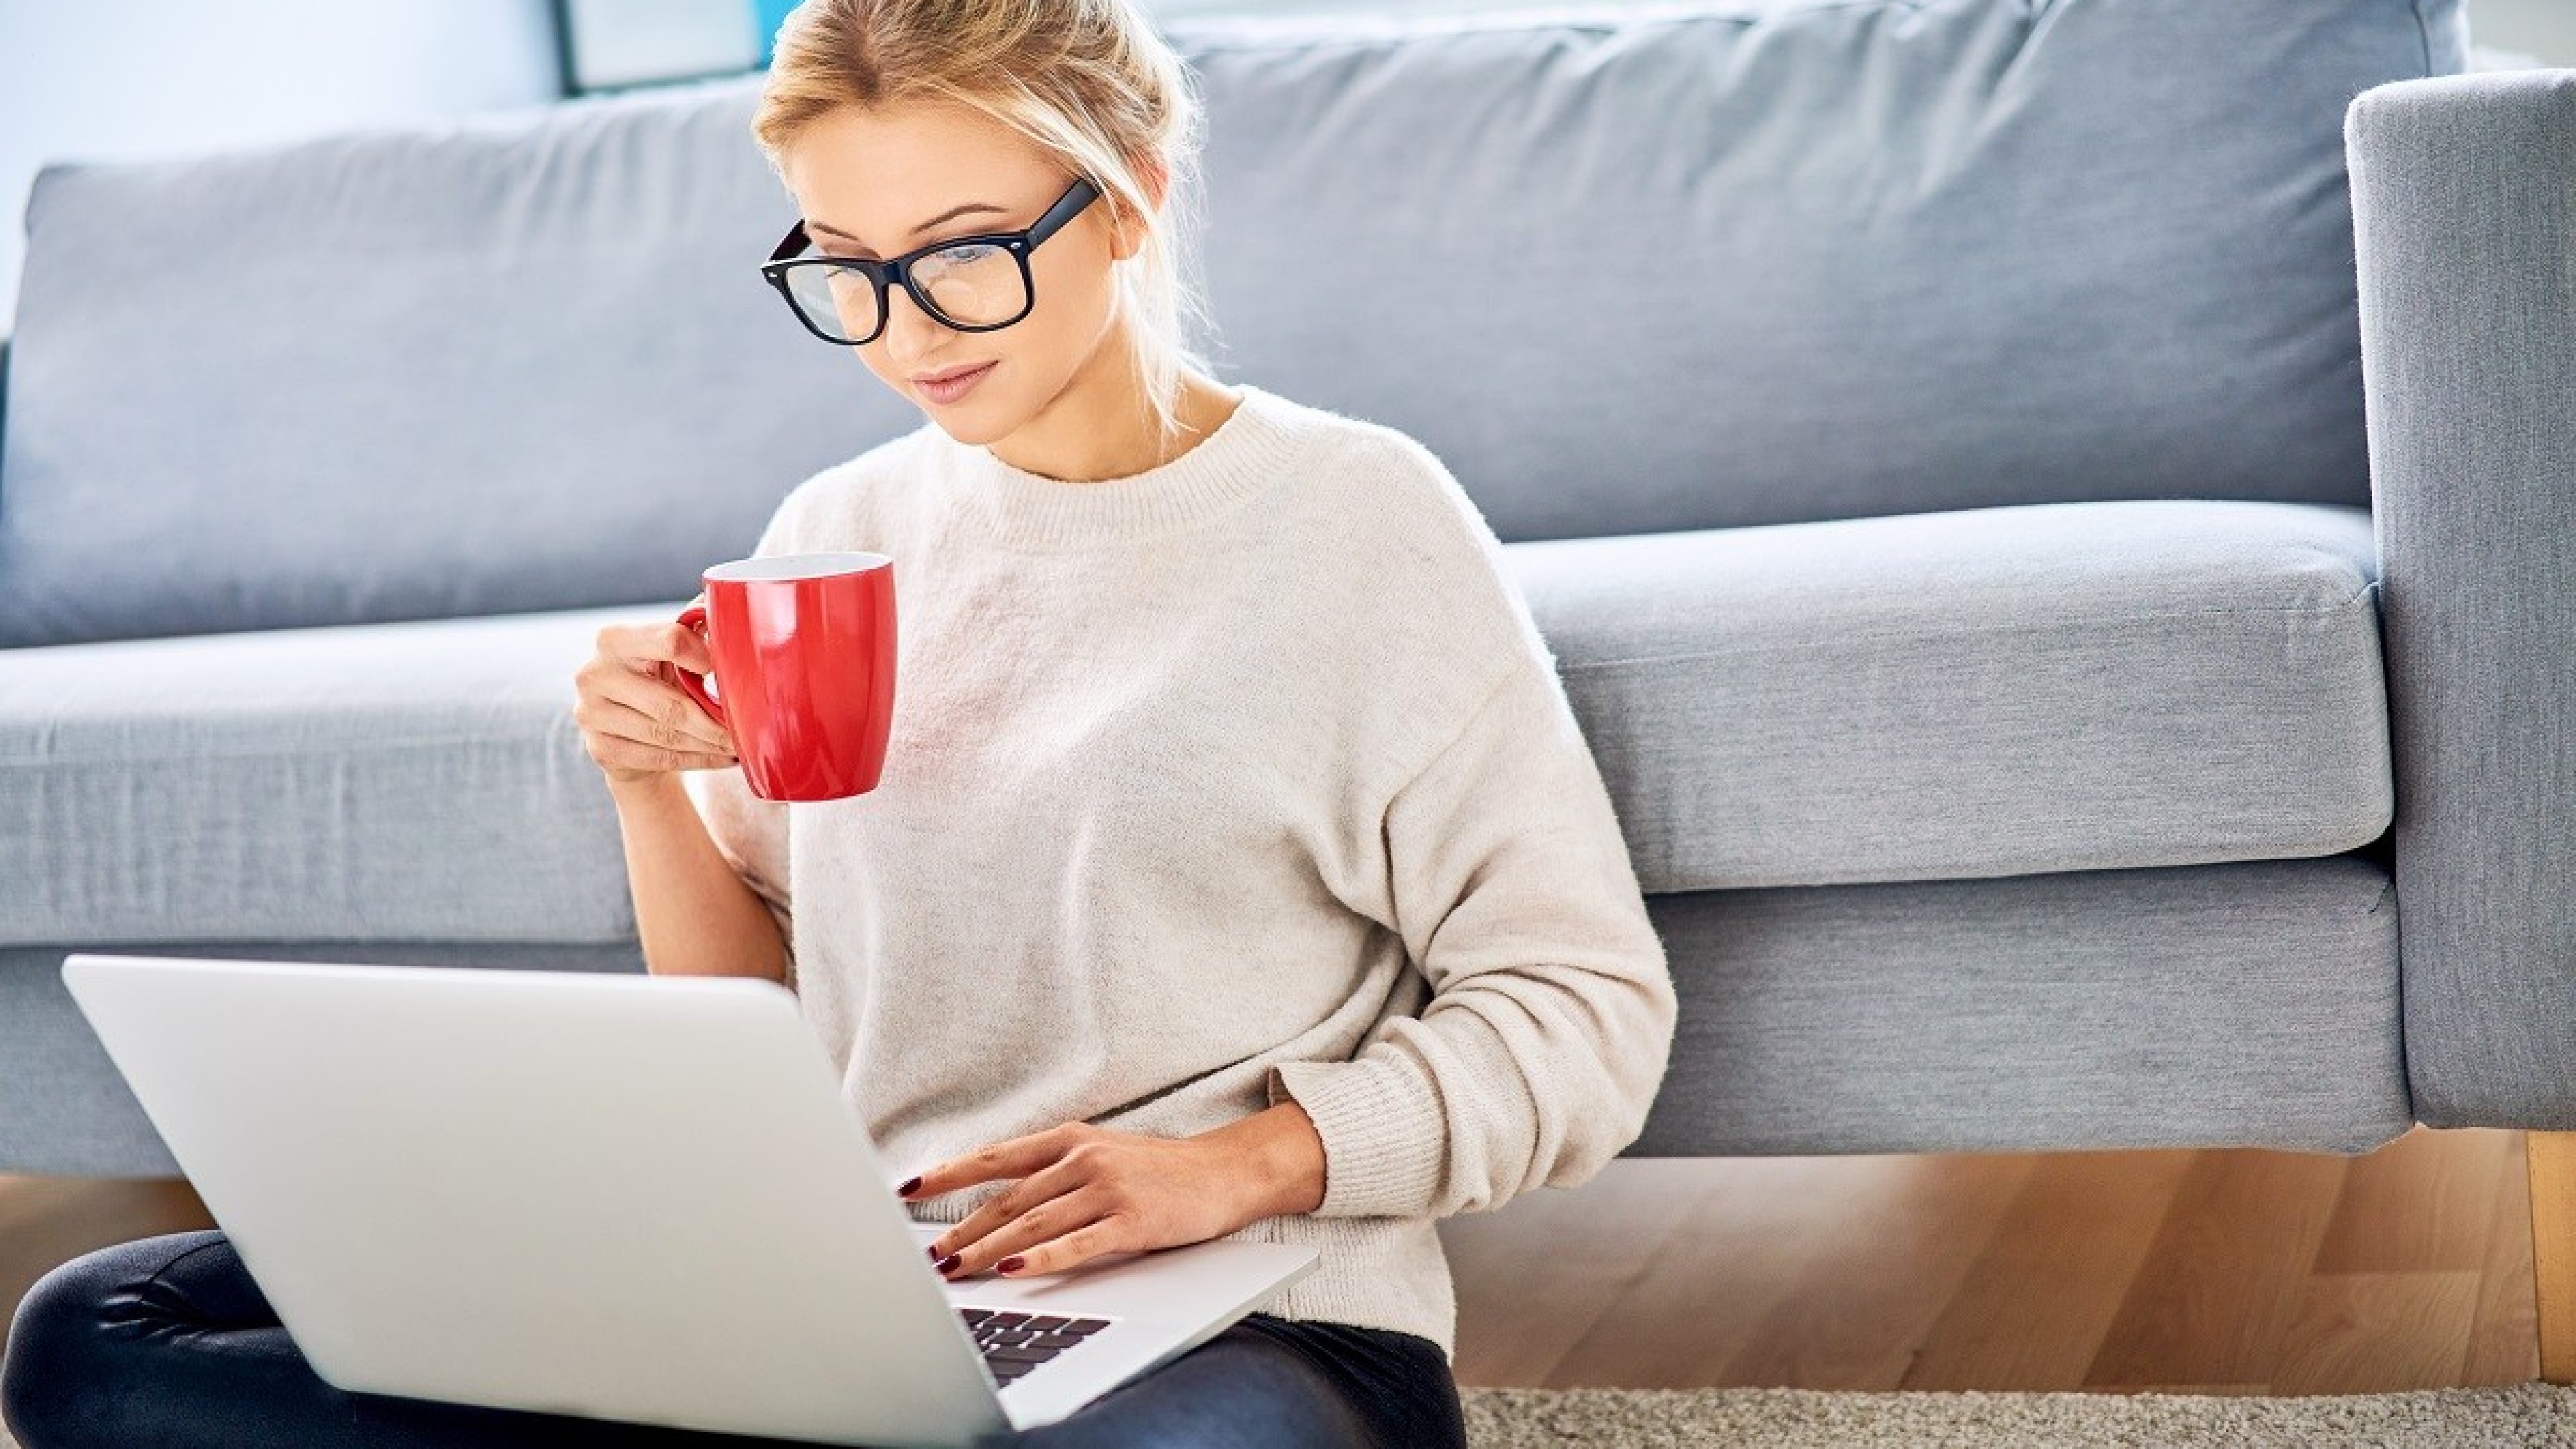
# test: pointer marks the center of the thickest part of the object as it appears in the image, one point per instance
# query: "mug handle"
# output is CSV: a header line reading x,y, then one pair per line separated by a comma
x,y
689,680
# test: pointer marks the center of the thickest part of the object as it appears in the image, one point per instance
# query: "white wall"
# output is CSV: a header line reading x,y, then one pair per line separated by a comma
x,y
135,79
2543,28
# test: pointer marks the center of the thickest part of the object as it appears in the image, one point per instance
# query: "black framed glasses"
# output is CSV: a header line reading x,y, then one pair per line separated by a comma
x,y
971,283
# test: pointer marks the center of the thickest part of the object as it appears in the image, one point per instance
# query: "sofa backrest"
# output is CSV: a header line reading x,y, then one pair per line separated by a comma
x,y
1634,268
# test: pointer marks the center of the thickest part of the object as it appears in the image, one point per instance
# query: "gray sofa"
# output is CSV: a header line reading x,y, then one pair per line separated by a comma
x,y
2078,631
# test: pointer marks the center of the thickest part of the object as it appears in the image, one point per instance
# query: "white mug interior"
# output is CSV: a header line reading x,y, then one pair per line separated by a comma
x,y
797,566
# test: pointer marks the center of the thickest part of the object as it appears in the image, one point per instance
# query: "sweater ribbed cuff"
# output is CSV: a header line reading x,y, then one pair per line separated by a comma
x,y
1384,1132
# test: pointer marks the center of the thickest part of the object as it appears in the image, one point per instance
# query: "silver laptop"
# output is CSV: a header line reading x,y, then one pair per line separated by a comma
x,y
617,1195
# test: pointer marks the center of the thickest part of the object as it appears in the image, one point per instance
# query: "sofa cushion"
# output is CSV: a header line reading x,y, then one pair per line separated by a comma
x,y
1627,270
513,362
412,780
1653,267
2253,1003
2041,688
1978,692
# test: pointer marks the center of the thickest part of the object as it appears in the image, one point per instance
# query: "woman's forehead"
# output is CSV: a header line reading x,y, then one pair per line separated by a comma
x,y
883,175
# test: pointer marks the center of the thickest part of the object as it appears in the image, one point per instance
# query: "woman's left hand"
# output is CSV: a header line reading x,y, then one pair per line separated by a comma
x,y
1086,1190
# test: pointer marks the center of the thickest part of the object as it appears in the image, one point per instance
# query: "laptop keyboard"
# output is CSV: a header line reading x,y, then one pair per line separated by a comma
x,y
1014,1343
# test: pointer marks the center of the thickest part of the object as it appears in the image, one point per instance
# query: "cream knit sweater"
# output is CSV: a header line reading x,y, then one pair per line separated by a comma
x,y
1244,778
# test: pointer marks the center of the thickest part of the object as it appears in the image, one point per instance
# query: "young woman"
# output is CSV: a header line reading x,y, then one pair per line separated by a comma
x,y
1238,870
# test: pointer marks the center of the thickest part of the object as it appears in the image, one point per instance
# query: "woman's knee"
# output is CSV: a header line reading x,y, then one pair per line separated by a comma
x,y
62,1336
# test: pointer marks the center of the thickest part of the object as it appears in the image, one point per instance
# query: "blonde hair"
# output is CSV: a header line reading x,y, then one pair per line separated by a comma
x,y
1089,81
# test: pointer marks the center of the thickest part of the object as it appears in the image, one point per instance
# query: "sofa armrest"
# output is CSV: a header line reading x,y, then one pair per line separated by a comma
x,y
2464,216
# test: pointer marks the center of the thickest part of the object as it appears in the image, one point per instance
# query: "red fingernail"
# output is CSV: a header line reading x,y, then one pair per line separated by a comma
x,y
910,1186
1008,1265
948,1262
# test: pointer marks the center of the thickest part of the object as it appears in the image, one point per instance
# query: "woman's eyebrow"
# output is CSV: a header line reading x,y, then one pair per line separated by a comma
x,y
941,219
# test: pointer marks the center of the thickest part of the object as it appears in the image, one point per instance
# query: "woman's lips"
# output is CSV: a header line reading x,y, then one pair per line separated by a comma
x,y
949,390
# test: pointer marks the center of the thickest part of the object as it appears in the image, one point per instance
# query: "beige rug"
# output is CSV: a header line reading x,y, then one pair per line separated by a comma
x,y
2523,1416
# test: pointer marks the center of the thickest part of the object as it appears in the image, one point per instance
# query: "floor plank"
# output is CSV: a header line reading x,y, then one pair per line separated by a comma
x,y
2424,1202
2035,1307
2215,1299
2216,1271
2504,1338
49,1220
1854,1315
1578,1253
2354,1333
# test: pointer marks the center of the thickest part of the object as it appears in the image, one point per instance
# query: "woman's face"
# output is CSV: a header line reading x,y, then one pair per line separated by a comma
x,y
878,184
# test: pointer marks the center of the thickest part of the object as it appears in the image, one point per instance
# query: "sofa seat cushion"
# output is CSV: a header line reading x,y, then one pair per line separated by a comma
x,y
2053,687
1978,692
415,780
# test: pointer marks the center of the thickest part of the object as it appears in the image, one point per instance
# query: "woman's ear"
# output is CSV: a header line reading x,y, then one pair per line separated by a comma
x,y
1126,228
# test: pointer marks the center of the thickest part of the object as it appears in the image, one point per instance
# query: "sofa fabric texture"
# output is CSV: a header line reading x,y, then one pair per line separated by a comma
x,y
1986,692
2464,190
1978,692
1897,255
2252,1003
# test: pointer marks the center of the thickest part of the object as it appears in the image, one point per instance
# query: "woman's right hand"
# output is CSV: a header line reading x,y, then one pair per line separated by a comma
x,y
635,723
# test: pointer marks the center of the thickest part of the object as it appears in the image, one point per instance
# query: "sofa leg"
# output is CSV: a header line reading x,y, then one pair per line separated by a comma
x,y
2553,1249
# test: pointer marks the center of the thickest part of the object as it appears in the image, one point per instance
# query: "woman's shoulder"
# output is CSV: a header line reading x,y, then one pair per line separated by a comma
x,y
1375,450
1410,541
1391,475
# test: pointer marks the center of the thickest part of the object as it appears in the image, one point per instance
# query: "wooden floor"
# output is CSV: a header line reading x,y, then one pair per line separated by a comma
x,y
2233,1270
2223,1271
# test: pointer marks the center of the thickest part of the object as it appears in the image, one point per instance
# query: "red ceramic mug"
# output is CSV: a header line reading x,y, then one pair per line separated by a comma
x,y
804,669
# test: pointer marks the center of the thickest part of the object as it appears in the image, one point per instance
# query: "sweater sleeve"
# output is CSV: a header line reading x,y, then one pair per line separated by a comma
x,y
751,834
1551,1018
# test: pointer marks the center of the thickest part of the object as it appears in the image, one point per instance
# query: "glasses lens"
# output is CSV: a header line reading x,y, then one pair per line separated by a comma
x,y
975,285
840,301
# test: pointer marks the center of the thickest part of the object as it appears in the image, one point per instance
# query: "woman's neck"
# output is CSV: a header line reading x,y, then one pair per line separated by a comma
x,y
1097,431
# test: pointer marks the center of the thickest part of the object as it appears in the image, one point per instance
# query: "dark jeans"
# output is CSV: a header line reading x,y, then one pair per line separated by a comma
x,y
166,1341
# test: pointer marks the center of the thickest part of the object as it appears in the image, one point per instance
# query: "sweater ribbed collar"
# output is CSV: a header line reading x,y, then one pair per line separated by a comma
x,y
1245,454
